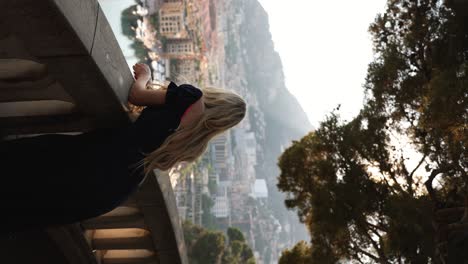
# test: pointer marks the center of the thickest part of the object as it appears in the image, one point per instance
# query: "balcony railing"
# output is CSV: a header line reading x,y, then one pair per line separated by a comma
x,y
62,70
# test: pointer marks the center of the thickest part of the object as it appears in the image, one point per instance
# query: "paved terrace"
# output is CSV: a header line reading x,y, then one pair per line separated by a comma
x,y
62,71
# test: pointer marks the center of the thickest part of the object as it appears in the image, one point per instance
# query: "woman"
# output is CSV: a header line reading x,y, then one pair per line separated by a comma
x,y
59,179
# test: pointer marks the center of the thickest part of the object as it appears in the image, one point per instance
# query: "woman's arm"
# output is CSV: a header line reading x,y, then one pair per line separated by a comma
x,y
194,113
139,94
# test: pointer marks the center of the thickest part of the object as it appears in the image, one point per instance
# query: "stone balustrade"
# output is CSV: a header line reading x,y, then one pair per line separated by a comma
x,y
61,70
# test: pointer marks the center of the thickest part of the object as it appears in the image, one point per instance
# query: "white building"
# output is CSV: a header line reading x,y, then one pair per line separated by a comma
x,y
221,156
221,207
260,189
246,154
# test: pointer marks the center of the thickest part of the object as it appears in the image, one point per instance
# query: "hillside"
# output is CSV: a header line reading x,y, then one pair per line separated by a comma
x,y
280,117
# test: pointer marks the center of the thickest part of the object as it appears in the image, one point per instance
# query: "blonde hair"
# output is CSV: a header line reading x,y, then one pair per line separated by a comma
x,y
223,110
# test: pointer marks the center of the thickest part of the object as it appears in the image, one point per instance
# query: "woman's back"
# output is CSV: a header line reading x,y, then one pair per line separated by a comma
x,y
54,179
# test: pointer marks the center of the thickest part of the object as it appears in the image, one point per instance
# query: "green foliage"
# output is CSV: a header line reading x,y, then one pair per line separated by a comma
x,y
209,247
141,52
250,261
299,254
327,177
247,252
228,258
208,219
212,186
236,247
349,182
234,234
238,252
421,76
154,20
128,20
191,233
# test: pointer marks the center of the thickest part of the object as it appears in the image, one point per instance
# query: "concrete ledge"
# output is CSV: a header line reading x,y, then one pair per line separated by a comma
x,y
82,16
75,43
158,205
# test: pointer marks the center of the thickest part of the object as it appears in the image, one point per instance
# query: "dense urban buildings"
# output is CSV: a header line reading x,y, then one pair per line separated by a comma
x,y
221,189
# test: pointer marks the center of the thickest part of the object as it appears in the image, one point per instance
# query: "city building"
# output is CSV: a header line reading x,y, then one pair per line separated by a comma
x,y
221,156
245,153
181,47
213,176
251,148
184,71
171,20
221,208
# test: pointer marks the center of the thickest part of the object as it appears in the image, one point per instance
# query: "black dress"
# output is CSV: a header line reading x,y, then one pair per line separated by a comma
x,y
59,179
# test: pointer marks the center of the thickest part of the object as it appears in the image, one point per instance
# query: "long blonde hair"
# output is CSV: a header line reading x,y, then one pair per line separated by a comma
x,y
223,110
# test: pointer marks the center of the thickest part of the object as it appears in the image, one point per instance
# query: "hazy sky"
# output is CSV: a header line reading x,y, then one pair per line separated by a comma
x,y
325,48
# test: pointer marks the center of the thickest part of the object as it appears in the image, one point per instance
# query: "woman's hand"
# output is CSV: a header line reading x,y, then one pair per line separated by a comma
x,y
139,95
141,72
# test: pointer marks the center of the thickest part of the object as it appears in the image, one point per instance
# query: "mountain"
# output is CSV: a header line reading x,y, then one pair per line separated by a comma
x,y
278,112
285,119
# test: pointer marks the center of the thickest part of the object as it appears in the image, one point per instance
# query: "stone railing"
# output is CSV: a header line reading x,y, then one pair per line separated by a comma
x,y
61,70
145,229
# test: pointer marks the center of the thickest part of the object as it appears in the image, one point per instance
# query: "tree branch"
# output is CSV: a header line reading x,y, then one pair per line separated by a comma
x,y
404,171
429,187
376,233
419,165
359,259
379,227
358,250
379,251
393,177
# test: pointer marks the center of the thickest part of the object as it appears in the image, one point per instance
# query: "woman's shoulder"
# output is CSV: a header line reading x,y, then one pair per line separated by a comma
x,y
182,94
178,99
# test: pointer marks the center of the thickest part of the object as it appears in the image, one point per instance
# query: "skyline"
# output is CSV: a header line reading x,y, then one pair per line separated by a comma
x,y
326,67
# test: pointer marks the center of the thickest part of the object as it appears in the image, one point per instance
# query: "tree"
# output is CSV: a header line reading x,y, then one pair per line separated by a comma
x,y
208,219
192,233
420,77
299,254
140,50
234,234
345,184
128,20
246,253
359,192
208,248
236,248
212,186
